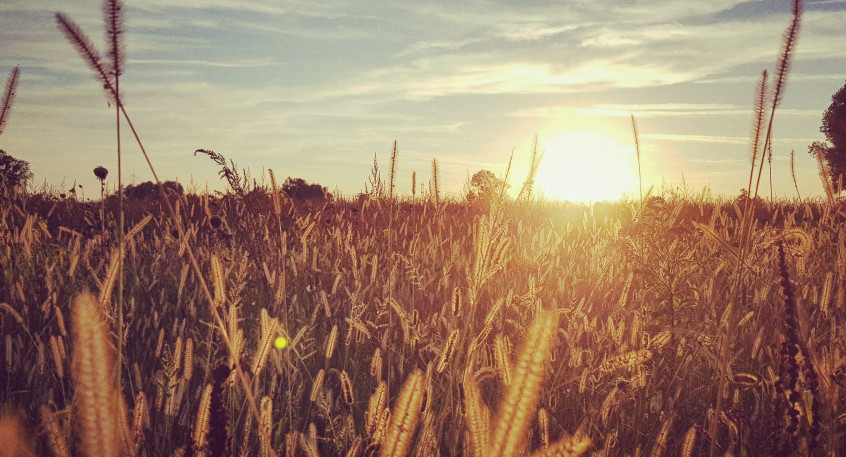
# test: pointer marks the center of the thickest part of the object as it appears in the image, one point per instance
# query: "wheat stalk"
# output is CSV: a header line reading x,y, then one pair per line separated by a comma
x,y
317,385
55,437
446,353
201,422
188,363
92,367
393,171
434,186
477,417
375,407
219,281
347,388
689,442
9,97
404,417
86,49
517,408
566,447
267,336
627,360
266,425
108,284
376,365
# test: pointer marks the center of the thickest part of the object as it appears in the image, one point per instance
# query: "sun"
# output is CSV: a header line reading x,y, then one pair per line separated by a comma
x,y
586,166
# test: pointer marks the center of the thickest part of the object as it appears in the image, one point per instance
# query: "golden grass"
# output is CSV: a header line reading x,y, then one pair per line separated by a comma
x,y
518,406
650,306
56,440
92,370
404,417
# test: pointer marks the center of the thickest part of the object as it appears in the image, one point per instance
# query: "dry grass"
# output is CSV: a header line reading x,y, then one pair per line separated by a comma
x,y
613,378
675,326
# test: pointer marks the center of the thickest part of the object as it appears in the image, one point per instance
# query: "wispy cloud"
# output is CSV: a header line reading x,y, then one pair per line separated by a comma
x,y
320,87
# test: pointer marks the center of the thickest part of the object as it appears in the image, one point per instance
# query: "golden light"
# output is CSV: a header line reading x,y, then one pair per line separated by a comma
x,y
587,166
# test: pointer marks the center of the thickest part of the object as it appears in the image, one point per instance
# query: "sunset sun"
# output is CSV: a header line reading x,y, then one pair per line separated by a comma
x,y
587,166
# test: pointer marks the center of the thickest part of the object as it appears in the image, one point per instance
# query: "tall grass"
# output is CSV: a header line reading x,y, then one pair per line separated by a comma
x,y
676,325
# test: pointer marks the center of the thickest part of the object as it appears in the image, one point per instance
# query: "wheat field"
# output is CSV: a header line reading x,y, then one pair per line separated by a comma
x,y
254,323
406,328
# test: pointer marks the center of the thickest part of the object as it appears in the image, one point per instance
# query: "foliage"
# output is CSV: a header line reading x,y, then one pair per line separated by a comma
x,y
834,127
147,189
299,189
640,294
13,172
484,187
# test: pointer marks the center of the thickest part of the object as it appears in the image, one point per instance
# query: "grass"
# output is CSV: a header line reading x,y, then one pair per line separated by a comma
x,y
671,325
640,295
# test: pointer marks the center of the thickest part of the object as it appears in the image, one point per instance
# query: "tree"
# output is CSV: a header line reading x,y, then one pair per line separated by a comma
x,y
299,189
484,187
834,128
13,172
147,189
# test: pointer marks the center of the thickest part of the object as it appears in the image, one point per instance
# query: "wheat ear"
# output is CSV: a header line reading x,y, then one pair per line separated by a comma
x,y
477,416
574,446
9,96
113,18
347,389
92,370
201,422
393,171
435,187
375,407
86,49
219,281
449,349
267,336
55,438
405,416
109,283
517,408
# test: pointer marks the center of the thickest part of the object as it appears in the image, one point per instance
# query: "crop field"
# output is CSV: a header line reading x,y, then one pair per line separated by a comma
x,y
266,322
414,328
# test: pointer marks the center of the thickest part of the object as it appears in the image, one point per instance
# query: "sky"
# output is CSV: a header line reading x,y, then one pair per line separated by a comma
x,y
314,90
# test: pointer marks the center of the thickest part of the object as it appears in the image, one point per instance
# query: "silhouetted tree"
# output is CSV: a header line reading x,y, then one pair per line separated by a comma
x,y
299,189
13,171
147,189
834,128
484,187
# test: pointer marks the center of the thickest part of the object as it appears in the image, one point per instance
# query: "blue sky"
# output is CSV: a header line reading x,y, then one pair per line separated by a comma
x,y
314,89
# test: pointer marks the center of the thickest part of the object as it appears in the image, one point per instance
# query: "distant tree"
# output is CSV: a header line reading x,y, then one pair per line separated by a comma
x,y
147,189
834,128
13,171
299,189
484,187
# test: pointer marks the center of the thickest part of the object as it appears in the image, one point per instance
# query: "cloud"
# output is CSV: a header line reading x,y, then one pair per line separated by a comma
x,y
321,86
686,138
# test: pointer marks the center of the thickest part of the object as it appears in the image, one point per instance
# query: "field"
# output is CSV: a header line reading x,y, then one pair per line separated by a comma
x,y
418,328
259,322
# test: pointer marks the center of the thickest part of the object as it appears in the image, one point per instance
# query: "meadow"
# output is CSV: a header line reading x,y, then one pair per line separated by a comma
x,y
256,322
351,321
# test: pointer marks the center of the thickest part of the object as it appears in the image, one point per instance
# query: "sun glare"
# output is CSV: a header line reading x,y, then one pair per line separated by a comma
x,y
586,166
